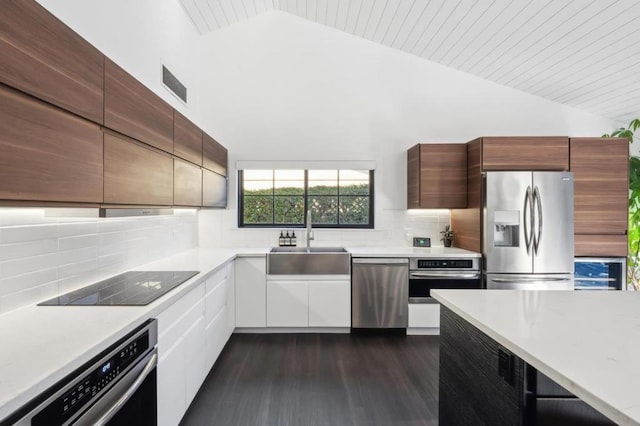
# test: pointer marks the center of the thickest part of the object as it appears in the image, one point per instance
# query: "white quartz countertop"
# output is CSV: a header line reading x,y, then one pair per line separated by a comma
x,y
437,251
42,344
587,341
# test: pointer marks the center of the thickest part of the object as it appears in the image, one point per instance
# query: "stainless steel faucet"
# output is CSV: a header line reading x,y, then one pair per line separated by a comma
x,y
309,231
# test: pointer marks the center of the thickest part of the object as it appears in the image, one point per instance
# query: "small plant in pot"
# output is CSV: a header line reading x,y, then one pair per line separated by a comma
x,y
447,236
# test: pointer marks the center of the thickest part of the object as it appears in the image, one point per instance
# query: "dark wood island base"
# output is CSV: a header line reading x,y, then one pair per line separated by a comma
x,y
482,382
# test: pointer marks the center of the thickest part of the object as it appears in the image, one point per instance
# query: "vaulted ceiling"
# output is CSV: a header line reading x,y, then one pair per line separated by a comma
x,y
583,53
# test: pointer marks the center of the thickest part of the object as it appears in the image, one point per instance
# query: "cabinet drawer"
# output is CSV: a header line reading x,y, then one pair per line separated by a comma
x,y
215,298
174,321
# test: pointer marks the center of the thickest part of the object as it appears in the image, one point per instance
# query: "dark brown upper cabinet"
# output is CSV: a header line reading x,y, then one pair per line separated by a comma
x,y
600,169
187,139
214,155
135,174
437,176
44,58
525,153
134,110
187,184
214,189
47,154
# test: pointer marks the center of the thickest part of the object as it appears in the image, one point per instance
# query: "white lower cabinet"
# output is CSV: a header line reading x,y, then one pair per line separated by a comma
x,y
424,315
191,334
172,395
299,302
287,304
196,368
251,291
329,304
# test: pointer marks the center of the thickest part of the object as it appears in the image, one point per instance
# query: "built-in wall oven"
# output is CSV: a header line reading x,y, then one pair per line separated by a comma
x,y
600,273
118,387
442,273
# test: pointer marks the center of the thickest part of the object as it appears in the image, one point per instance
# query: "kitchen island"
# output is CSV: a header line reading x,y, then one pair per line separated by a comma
x,y
503,354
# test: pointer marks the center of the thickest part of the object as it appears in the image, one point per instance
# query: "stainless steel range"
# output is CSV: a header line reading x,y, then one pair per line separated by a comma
x,y
132,288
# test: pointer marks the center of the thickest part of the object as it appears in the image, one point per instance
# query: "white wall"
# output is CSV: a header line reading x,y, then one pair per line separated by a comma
x,y
282,88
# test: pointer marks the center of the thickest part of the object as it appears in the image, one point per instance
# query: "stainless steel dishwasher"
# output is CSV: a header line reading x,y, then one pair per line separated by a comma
x,y
379,293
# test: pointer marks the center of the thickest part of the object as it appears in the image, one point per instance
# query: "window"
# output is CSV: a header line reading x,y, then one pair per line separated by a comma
x,y
336,198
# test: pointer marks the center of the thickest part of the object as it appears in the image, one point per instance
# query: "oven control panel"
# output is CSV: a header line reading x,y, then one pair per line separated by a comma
x,y
444,264
83,391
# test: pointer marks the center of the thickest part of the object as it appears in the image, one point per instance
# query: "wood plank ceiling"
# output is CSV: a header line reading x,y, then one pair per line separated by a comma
x,y
583,53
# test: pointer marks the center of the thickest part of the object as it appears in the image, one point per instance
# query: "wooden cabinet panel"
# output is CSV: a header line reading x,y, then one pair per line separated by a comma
x,y
43,57
466,222
442,176
135,174
525,153
214,155
214,189
132,109
600,168
187,139
47,154
187,184
413,177
601,245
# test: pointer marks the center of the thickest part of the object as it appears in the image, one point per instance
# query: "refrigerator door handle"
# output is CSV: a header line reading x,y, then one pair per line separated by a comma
x,y
527,211
537,200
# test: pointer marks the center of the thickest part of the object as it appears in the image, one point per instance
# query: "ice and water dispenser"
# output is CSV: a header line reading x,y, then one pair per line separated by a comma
x,y
506,228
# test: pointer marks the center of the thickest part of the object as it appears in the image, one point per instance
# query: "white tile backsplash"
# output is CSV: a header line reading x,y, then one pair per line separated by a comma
x,y
44,253
218,228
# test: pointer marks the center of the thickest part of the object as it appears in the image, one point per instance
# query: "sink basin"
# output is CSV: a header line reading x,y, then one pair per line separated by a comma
x,y
309,250
312,261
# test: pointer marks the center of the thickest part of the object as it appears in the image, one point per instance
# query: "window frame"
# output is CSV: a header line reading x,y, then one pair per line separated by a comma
x,y
369,225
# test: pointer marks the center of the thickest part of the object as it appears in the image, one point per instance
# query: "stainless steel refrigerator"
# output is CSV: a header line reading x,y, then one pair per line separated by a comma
x,y
528,230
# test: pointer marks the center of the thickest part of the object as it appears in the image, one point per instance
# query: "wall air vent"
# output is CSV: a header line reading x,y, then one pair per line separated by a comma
x,y
173,84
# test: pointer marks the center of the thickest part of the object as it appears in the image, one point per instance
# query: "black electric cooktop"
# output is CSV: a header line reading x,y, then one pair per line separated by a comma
x,y
132,288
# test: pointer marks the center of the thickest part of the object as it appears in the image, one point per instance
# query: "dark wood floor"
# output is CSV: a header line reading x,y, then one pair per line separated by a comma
x,y
321,379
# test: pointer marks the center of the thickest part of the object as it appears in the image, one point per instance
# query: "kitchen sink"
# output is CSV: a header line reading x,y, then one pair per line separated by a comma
x,y
308,250
311,261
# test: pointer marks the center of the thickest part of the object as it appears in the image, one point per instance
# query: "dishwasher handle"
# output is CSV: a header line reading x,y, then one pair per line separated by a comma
x,y
380,261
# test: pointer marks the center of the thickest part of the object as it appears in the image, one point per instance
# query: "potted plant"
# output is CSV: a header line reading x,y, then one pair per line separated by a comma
x,y
447,236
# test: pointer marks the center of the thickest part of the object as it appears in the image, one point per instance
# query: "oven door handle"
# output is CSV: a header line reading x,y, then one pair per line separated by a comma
x,y
471,276
116,406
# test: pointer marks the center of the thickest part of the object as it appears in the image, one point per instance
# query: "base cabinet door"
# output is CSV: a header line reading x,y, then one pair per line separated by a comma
x,y
251,292
424,315
287,304
231,299
171,385
195,359
329,303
